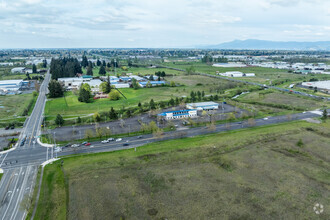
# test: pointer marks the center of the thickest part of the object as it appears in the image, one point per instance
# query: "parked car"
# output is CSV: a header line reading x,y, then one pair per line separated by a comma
x,y
68,145
87,144
75,145
111,139
139,137
265,118
119,139
125,144
104,141
6,128
83,143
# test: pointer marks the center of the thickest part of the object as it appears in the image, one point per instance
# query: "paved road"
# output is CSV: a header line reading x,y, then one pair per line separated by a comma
x,y
21,166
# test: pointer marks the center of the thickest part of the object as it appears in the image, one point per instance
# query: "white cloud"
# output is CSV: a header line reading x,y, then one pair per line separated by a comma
x,y
115,23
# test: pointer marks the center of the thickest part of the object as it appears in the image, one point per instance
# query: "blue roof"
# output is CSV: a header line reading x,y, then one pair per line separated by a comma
x,y
184,112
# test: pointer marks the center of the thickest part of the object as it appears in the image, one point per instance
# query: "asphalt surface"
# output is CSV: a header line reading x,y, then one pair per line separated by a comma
x,y
21,165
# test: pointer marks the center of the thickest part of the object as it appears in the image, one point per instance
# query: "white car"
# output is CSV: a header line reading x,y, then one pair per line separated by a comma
x,y
110,139
119,139
58,149
265,118
105,141
75,145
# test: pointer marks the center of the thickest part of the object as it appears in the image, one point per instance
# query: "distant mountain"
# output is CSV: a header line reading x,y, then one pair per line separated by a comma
x,y
252,44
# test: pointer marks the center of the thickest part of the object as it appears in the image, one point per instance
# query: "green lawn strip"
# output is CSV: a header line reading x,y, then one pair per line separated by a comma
x,y
53,195
32,200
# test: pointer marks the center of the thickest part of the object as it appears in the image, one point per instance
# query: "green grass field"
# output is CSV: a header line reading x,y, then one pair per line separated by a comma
x,y
13,105
285,100
70,106
263,75
272,172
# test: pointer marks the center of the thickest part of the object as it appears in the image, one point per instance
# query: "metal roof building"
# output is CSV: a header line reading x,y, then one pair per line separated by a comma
x,y
185,113
203,105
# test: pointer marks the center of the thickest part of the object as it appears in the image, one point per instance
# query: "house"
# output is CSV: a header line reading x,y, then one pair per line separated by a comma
x,y
185,113
153,83
203,105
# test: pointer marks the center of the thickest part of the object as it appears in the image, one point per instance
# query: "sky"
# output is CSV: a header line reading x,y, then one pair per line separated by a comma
x,y
158,23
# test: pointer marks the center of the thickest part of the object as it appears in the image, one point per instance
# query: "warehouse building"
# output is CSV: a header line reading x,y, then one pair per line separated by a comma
x,y
203,106
186,113
153,83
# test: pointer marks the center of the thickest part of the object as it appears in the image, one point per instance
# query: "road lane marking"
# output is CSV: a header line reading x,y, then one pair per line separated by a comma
x,y
11,197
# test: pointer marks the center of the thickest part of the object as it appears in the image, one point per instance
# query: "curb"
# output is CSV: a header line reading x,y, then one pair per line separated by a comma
x,y
43,144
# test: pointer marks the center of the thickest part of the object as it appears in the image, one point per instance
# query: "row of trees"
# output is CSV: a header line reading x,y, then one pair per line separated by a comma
x,y
64,67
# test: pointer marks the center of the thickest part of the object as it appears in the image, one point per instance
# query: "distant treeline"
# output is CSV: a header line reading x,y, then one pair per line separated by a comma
x,y
64,67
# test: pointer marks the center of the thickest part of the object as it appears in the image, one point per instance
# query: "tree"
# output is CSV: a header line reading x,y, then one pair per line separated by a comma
x,y
90,70
98,62
34,68
28,76
151,78
152,104
89,133
172,84
97,117
84,62
59,120
104,63
113,114
84,93
148,85
44,63
190,70
102,71
114,95
324,114
78,120
55,89
135,84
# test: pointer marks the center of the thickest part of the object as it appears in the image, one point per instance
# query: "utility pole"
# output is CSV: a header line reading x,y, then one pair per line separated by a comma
x,y
115,66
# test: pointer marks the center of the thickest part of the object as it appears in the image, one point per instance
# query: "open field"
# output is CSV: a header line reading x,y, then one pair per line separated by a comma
x,y
278,99
273,172
13,105
263,75
70,106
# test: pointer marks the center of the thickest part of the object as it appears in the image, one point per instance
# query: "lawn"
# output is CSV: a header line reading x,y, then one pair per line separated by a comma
x,y
272,172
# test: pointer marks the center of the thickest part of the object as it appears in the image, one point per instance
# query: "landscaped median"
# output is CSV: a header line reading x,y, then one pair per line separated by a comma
x,y
260,172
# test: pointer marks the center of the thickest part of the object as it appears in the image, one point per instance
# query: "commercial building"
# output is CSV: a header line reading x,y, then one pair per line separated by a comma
x,y
323,85
203,105
12,85
153,83
18,70
186,113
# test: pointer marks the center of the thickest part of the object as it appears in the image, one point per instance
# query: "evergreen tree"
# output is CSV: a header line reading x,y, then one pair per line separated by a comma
x,y
55,89
84,93
98,62
44,63
78,120
59,120
34,68
102,71
89,70
199,94
113,114
104,63
152,104
84,62
108,65
108,85
324,114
